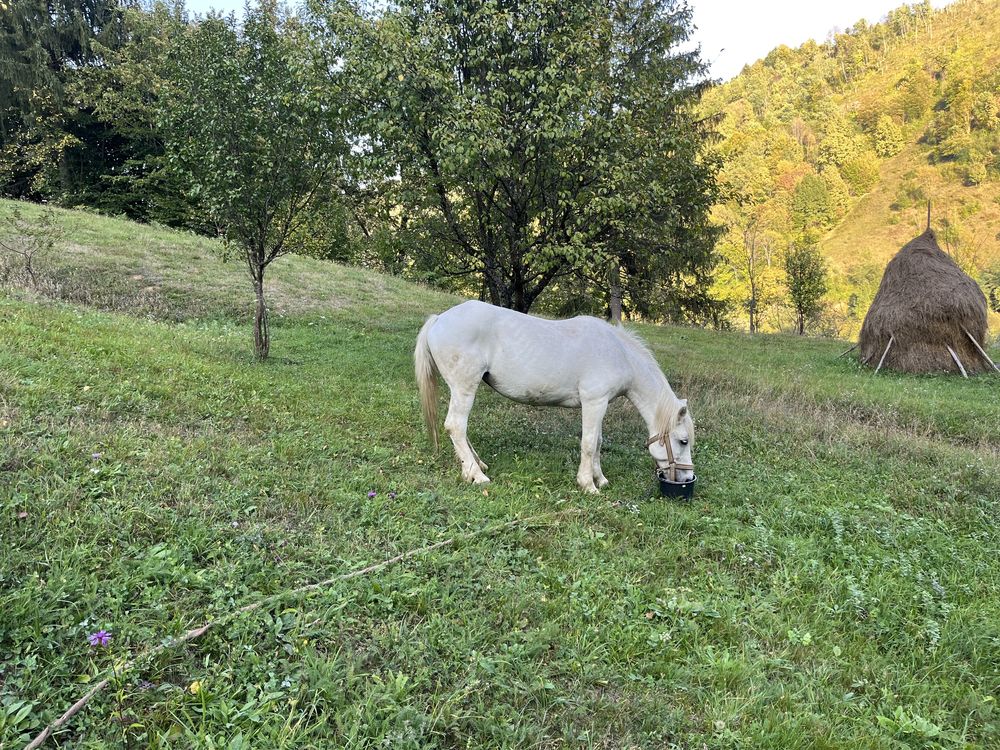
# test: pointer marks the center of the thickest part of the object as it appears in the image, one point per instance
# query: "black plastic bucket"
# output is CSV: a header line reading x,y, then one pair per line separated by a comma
x,y
683,490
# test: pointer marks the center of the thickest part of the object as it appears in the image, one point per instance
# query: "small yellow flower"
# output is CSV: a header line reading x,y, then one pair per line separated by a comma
x,y
195,687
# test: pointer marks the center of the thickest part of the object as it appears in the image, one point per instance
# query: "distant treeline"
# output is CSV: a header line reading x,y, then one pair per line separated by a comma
x,y
540,155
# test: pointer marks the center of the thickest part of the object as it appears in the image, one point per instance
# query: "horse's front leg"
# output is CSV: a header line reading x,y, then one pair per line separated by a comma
x,y
590,440
599,479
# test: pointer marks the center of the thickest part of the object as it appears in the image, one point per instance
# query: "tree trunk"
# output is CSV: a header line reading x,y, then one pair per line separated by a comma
x,y
616,293
31,271
494,283
801,323
261,332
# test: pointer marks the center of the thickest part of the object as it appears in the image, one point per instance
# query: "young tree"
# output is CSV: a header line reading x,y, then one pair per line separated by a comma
x,y
991,281
747,250
535,140
31,241
861,172
806,279
916,92
247,125
812,206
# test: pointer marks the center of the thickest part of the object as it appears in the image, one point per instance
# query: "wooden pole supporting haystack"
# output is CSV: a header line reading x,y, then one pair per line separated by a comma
x,y
847,352
981,350
891,338
958,362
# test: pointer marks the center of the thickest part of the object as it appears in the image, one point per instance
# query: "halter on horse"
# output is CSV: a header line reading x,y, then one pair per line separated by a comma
x,y
672,463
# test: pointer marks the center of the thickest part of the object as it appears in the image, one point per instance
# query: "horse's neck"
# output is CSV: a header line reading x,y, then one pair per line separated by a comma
x,y
649,385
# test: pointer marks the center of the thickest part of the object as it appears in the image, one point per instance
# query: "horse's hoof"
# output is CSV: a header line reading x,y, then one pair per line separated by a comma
x,y
590,489
481,480
602,483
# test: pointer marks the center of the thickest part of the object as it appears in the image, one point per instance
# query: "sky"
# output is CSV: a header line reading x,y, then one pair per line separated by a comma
x,y
734,33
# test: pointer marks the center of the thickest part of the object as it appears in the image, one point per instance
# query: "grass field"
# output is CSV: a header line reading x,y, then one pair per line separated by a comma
x,y
834,584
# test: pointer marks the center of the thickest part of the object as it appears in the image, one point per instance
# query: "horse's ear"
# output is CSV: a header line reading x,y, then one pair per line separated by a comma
x,y
682,412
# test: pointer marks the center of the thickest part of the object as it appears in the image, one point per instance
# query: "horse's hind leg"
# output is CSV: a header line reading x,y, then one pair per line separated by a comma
x,y
457,424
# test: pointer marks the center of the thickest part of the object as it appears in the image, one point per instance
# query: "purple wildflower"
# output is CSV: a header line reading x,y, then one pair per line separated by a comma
x,y
372,493
392,495
96,456
100,638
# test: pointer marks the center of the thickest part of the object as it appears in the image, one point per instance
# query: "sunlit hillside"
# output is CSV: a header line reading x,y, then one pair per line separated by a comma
x,y
846,142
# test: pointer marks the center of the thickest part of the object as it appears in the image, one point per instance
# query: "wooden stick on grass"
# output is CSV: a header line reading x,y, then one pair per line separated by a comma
x,y
202,629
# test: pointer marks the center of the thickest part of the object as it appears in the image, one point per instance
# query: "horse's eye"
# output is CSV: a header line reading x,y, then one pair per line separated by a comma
x,y
683,442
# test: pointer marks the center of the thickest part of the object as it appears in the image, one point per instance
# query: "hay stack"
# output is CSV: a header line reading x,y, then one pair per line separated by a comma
x,y
926,304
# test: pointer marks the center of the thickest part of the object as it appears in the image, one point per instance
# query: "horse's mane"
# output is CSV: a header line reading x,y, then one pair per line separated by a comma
x,y
633,338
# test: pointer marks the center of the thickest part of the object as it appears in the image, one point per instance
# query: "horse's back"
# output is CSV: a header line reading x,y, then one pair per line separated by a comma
x,y
475,322
526,358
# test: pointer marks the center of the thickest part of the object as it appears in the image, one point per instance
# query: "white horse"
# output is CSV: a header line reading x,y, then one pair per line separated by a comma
x,y
582,362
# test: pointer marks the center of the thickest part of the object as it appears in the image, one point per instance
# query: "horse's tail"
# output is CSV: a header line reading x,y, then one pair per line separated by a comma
x,y
426,372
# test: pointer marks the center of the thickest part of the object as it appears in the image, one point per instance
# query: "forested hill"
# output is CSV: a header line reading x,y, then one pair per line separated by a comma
x,y
841,144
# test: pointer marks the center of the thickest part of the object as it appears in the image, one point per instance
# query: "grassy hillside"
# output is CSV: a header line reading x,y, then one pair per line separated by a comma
x,y
883,220
842,144
878,225
834,583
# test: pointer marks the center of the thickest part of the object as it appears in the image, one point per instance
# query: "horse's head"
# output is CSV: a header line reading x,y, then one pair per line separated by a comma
x,y
671,447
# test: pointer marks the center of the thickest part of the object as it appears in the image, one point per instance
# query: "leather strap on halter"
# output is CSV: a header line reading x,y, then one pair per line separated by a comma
x,y
672,465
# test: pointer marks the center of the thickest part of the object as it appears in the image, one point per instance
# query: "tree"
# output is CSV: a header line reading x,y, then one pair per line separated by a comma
x,y
258,144
812,206
123,91
534,141
861,172
991,281
836,188
840,143
752,267
747,249
47,140
30,241
805,272
888,137
916,92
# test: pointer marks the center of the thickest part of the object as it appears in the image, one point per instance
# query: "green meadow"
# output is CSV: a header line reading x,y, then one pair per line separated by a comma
x,y
835,582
